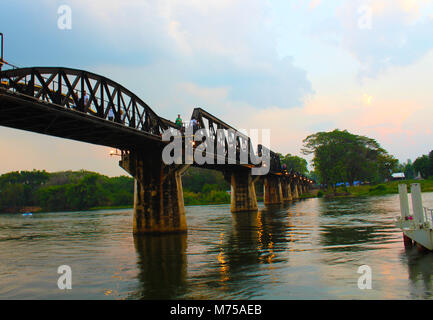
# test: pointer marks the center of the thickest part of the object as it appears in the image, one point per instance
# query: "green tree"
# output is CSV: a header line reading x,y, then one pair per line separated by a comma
x,y
386,164
430,166
409,170
53,198
424,165
421,165
85,194
195,179
207,188
294,162
67,190
340,156
13,195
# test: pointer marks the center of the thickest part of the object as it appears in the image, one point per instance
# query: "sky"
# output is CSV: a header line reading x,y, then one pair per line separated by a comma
x,y
293,67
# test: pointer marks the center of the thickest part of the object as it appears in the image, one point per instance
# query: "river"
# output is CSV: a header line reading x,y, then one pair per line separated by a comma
x,y
310,249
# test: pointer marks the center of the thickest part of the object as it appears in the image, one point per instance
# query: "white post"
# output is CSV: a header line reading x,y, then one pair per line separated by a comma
x,y
404,202
417,202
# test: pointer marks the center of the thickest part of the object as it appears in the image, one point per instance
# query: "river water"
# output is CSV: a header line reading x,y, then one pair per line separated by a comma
x,y
310,249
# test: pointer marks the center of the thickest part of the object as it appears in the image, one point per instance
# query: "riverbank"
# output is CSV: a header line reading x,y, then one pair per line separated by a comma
x,y
218,198
20,210
379,189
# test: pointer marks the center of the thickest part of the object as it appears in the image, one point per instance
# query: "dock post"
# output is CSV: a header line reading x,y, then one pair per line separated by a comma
x,y
418,211
404,208
404,202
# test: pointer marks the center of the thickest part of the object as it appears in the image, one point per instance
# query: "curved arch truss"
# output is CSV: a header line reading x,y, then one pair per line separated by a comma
x,y
84,92
224,136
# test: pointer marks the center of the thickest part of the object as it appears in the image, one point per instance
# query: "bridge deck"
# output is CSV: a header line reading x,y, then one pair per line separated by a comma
x,y
78,105
26,113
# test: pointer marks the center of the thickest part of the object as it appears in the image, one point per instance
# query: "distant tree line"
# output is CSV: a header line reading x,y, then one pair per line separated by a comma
x,y
83,190
63,190
422,166
202,186
339,156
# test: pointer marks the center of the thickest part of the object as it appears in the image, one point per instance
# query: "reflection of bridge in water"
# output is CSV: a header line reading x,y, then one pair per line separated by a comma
x,y
168,268
79,105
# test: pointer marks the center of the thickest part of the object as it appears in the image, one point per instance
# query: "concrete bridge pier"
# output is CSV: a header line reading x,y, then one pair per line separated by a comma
x,y
273,192
243,192
158,195
287,192
301,190
295,192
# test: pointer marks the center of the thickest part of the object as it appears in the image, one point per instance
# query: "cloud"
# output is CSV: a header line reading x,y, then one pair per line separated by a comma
x,y
395,110
380,34
221,55
314,4
217,44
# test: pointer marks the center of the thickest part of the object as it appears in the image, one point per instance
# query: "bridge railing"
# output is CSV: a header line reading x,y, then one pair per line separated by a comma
x,y
226,137
85,92
228,142
428,214
92,94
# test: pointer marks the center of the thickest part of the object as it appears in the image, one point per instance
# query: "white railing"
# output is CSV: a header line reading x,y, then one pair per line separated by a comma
x,y
428,214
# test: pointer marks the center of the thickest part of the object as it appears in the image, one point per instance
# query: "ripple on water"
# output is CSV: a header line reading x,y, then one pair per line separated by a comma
x,y
306,249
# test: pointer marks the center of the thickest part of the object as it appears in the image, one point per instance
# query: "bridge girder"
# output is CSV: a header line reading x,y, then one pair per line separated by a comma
x,y
76,104
87,92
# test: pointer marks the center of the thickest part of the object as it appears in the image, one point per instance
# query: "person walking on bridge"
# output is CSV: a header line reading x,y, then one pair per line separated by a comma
x,y
179,124
86,99
179,121
111,114
194,125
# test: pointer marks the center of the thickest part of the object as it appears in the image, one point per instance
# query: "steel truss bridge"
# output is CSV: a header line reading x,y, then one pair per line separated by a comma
x,y
83,106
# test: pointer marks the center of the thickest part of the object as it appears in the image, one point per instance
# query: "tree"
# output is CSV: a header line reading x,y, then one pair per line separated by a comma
x,y
17,189
13,195
430,166
386,164
424,165
294,162
195,179
340,156
407,168
63,190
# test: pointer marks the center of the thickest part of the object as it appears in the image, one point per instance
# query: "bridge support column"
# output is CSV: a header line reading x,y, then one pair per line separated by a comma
x,y
300,189
287,192
273,193
295,193
158,195
243,192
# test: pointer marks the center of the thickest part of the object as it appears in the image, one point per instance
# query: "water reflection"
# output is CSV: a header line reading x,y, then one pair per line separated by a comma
x,y
420,270
162,266
338,238
303,250
353,224
254,239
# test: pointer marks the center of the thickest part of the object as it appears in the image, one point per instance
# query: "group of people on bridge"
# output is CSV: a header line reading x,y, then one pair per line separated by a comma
x,y
194,124
83,103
